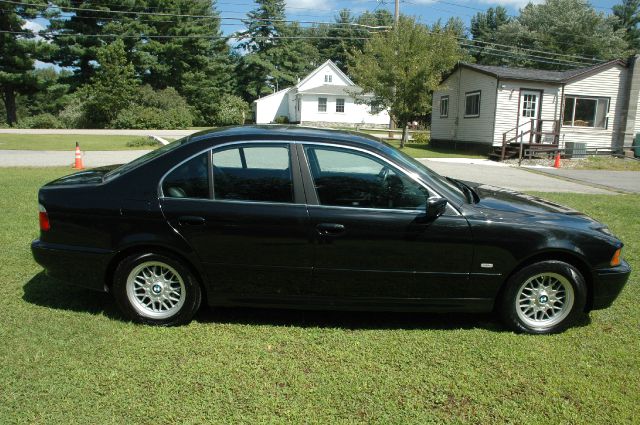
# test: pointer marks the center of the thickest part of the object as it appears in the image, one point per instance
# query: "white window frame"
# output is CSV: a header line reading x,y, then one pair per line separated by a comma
x,y
573,114
338,103
325,105
445,100
328,78
467,96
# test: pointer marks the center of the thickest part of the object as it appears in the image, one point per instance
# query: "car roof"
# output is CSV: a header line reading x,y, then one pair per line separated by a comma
x,y
266,133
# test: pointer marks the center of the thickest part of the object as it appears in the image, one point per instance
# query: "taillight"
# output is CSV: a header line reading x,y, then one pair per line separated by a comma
x,y
615,261
44,218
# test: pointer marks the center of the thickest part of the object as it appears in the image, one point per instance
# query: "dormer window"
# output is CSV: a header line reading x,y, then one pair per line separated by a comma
x,y
328,78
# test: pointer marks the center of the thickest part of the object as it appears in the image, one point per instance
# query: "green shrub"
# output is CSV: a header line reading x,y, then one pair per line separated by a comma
x,y
420,138
282,119
155,109
231,110
41,121
142,141
73,115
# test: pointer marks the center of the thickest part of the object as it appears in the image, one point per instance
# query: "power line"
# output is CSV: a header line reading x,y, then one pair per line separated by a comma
x,y
183,15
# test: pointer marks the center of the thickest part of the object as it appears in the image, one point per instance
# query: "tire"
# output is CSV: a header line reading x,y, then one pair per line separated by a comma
x,y
543,298
156,289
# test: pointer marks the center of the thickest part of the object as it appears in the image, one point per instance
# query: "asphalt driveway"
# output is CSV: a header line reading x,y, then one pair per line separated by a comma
x,y
627,181
497,174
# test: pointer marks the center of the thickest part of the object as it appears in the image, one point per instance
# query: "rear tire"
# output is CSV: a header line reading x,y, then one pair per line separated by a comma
x,y
156,289
543,298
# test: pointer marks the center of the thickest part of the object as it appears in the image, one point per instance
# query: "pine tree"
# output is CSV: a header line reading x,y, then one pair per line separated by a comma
x,y
628,13
18,53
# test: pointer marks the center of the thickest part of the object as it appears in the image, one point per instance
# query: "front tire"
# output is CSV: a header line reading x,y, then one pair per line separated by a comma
x,y
544,298
156,289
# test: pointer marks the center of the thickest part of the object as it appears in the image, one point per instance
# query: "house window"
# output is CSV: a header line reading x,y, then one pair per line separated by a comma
x,y
444,106
472,104
328,78
585,111
322,104
376,109
529,102
339,105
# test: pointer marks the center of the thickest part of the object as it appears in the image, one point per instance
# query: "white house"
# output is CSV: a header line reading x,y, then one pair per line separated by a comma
x,y
482,107
324,98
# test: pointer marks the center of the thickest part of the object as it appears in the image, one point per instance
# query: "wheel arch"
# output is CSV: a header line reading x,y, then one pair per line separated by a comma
x,y
568,257
156,249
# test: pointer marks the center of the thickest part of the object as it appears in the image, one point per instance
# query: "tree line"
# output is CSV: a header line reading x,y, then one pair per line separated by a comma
x,y
166,63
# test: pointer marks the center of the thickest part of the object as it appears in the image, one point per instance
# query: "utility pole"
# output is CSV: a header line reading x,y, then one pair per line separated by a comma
x,y
396,16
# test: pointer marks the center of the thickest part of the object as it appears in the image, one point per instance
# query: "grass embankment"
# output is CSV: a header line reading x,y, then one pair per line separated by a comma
x,y
423,150
68,357
67,142
607,163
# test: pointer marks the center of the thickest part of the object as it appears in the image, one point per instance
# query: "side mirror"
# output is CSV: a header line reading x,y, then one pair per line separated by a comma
x,y
435,208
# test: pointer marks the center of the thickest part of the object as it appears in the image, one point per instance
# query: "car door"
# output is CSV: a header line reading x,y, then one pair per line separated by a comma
x,y
241,208
372,241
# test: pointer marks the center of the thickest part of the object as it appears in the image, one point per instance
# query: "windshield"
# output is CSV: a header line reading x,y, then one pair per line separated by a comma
x,y
425,172
144,158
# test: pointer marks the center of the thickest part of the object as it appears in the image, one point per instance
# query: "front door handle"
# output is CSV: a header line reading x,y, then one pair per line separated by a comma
x,y
190,220
330,229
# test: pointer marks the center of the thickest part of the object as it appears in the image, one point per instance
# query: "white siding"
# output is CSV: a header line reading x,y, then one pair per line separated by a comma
x,y
611,83
507,108
272,106
456,126
353,113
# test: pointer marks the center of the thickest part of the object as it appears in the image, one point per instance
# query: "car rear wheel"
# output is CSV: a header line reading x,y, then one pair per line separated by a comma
x,y
545,297
156,289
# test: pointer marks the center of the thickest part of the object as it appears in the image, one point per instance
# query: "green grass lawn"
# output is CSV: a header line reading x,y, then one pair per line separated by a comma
x,y
423,150
607,163
67,142
68,357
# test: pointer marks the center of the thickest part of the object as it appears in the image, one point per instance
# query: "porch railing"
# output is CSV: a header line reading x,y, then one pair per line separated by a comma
x,y
534,131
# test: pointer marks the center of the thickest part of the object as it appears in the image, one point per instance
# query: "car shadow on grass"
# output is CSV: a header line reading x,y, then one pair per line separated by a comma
x,y
44,291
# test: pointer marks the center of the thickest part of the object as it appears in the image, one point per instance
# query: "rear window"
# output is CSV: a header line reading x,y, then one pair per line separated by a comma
x,y
189,180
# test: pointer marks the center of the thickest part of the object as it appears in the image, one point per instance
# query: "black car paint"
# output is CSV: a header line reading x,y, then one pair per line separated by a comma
x,y
261,254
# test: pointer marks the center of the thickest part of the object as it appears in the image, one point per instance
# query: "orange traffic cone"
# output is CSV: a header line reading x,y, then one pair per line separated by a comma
x,y
556,163
78,165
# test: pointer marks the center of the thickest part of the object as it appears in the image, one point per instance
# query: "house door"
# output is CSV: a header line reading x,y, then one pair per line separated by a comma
x,y
530,109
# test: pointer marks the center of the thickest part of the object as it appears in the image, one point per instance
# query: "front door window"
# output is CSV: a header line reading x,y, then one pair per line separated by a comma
x,y
529,104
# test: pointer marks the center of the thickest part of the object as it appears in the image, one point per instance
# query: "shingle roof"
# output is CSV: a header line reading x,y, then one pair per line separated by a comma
x,y
332,89
537,74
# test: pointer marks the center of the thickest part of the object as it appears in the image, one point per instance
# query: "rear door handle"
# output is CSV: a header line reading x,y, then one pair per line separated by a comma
x,y
191,220
330,229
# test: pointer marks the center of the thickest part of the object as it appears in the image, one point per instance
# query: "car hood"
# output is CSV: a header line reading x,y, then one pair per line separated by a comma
x,y
92,176
500,199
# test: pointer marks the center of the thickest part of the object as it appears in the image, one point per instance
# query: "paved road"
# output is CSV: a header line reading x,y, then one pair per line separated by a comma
x,y
482,171
628,181
10,158
111,132
496,174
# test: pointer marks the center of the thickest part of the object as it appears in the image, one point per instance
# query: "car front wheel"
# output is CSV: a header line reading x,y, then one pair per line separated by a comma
x,y
545,297
156,289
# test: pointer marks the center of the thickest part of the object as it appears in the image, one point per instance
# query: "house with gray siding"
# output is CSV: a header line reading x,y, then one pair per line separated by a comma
x,y
483,107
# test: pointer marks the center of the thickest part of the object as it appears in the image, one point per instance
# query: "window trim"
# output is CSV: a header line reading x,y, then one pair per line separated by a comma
x,y
442,98
469,94
326,105
343,105
296,178
573,116
328,78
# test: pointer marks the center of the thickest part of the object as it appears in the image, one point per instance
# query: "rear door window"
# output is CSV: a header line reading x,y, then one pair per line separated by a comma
x,y
188,180
253,173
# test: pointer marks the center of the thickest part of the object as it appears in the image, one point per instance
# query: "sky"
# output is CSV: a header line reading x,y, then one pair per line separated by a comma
x,y
426,11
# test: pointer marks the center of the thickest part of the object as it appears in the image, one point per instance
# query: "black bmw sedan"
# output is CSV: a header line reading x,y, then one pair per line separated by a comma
x,y
279,216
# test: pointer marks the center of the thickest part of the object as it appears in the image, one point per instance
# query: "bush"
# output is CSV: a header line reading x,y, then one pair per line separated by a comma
x,y
282,119
231,110
155,109
420,138
145,117
41,121
142,141
73,115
